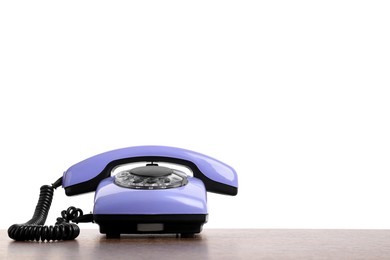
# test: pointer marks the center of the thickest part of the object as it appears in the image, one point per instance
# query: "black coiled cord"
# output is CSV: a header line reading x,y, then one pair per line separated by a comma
x,y
34,229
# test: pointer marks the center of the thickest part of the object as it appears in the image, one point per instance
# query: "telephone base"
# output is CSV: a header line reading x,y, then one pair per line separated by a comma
x,y
184,224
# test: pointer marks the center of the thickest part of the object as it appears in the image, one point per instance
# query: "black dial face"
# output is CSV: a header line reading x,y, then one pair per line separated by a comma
x,y
151,171
151,178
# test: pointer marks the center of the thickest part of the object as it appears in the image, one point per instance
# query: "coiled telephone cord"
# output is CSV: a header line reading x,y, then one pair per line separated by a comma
x,y
35,230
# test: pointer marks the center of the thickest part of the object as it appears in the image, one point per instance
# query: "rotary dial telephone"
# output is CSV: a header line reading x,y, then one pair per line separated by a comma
x,y
149,199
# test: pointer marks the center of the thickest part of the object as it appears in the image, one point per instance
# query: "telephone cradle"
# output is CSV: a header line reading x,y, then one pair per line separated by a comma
x,y
148,199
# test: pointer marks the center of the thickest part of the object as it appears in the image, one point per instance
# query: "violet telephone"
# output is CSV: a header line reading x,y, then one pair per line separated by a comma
x,y
149,199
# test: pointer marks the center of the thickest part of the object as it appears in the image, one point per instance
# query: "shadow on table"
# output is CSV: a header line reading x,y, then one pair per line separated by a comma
x,y
152,246
42,250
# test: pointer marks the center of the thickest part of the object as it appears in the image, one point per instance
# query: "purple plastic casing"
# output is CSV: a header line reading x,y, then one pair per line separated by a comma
x,y
91,167
113,199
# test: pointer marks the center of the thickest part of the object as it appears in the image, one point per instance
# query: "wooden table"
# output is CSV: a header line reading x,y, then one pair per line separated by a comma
x,y
211,244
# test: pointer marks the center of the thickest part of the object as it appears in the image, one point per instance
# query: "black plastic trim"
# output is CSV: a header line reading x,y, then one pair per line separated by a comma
x,y
147,218
114,225
91,185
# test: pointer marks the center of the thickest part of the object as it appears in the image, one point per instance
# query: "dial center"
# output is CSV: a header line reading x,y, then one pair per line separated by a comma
x,y
151,171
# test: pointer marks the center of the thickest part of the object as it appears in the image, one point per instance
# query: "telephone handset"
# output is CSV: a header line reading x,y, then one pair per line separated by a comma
x,y
150,199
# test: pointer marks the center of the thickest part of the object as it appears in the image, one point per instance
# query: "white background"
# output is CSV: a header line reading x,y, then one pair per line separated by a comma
x,y
293,94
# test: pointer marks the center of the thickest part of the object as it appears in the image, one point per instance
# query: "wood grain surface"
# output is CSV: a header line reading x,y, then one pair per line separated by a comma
x,y
211,244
